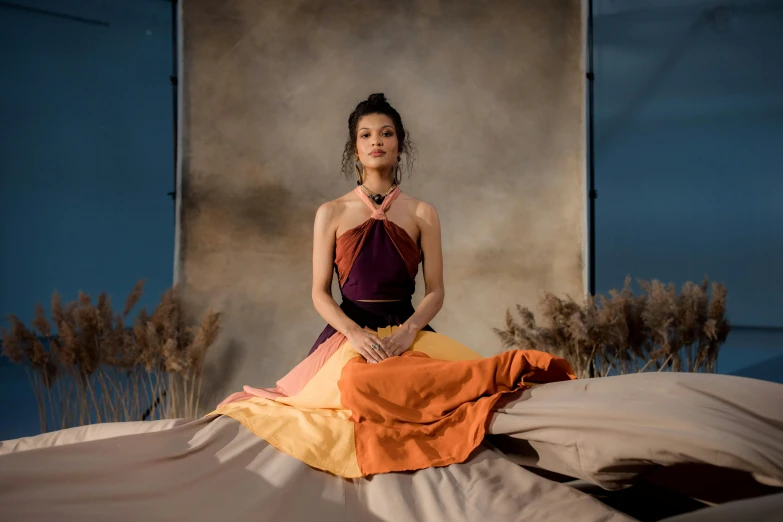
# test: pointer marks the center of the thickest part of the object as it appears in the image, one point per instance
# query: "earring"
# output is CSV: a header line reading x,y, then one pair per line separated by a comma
x,y
397,173
358,172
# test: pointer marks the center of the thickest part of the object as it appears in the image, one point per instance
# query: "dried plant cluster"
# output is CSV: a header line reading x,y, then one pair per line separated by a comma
x,y
627,333
87,366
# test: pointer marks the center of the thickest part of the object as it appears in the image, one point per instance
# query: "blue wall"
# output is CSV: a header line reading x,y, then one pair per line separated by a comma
x,y
86,162
688,143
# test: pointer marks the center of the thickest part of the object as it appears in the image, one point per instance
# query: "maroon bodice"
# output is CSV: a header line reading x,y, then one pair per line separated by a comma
x,y
377,259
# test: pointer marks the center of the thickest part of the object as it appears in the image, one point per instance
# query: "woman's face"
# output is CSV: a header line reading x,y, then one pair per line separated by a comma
x,y
376,131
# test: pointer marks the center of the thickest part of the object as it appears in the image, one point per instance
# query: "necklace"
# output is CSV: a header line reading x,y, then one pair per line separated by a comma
x,y
378,198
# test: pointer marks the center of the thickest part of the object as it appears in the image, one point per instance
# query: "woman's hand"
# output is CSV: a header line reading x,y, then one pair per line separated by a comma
x,y
399,341
362,342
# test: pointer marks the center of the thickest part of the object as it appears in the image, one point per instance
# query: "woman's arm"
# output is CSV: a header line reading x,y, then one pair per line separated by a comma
x,y
324,238
432,266
434,293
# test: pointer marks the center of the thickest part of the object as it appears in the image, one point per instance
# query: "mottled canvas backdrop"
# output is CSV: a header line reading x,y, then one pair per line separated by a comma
x,y
492,94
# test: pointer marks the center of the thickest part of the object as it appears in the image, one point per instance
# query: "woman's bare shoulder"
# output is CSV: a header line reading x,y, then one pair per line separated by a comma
x,y
420,208
331,210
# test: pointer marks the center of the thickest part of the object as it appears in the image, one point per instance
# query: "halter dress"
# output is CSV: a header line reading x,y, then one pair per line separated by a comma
x,y
376,260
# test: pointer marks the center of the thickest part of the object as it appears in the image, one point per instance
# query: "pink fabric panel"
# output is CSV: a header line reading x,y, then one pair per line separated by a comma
x,y
267,393
297,378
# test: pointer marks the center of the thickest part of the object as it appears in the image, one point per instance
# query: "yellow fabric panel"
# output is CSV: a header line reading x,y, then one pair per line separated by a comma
x,y
321,438
437,346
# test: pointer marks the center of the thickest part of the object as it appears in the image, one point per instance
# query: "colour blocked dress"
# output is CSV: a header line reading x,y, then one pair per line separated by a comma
x,y
376,260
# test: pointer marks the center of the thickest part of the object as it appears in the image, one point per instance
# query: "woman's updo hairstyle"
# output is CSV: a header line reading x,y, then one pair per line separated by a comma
x,y
376,104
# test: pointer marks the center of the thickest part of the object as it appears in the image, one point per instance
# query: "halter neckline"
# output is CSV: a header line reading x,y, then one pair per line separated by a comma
x,y
378,212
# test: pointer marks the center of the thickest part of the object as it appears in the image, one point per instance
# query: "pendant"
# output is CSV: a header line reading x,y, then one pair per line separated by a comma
x,y
378,198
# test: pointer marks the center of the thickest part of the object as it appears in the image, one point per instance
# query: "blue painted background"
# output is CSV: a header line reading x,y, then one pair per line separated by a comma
x,y
86,162
688,143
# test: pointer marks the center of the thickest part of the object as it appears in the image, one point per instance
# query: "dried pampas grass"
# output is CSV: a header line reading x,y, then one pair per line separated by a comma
x,y
87,366
627,333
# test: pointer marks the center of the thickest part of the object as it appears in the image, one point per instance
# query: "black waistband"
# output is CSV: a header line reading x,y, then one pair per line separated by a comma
x,y
377,307
377,314
381,314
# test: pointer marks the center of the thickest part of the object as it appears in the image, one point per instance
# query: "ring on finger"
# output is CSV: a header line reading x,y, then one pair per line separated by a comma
x,y
376,346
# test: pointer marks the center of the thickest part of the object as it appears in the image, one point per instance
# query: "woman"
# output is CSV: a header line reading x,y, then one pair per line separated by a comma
x,y
376,236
